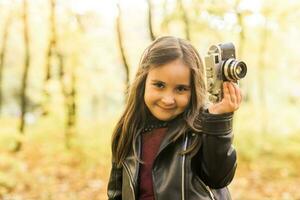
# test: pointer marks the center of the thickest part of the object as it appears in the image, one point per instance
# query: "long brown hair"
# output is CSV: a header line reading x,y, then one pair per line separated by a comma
x,y
163,50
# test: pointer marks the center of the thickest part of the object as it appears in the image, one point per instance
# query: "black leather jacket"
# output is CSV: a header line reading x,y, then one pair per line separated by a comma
x,y
203,174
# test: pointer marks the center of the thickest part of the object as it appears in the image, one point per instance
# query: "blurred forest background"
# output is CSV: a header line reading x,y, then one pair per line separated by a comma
x,y
65,64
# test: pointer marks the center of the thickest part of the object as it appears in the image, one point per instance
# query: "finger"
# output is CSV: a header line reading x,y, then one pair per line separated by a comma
x,y
238,93
232,93
240,96
226,94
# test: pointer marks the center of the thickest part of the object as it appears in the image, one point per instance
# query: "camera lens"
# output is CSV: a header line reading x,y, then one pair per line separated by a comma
x,y
234,70
240,69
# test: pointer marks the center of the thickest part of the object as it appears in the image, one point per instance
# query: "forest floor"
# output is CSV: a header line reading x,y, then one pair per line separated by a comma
x,y
45,170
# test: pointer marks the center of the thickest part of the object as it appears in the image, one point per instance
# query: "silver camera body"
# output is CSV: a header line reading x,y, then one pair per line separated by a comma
x,y
221,65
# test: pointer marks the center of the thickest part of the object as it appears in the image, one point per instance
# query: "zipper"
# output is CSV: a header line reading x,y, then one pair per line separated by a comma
x,y
130,181
207,189
183,170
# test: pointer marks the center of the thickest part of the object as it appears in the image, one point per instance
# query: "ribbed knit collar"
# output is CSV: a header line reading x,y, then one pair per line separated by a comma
x,y
152,122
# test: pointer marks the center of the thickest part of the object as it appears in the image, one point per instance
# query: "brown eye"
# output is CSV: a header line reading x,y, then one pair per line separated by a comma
x,y
182,89
159,85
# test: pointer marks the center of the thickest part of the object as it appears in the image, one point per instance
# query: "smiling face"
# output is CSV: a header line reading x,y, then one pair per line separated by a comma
x,y
168,90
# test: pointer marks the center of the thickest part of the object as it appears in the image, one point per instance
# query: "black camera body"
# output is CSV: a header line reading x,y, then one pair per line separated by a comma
x,y
221,65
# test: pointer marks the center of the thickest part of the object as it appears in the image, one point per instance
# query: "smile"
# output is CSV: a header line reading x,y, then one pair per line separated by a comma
x,y
169,109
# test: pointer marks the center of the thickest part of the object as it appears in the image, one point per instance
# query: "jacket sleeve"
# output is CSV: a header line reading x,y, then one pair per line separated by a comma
x,y
114,188
217,155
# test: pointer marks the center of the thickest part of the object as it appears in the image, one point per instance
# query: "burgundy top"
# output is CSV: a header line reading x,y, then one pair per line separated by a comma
x,y
150,145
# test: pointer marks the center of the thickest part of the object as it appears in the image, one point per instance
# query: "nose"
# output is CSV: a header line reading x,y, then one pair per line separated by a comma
x,y
168,100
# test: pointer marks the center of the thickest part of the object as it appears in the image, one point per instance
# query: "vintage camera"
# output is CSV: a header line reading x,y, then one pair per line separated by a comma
x,y
221,65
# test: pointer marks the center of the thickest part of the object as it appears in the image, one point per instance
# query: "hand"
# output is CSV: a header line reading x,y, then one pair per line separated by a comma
x,y
232,98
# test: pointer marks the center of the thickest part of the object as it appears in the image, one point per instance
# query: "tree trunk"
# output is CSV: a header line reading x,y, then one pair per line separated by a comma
x,y
122,51
150,25
64,91
241,47
69,93
2,55
185,20
50,52
25,76
165,24
71,118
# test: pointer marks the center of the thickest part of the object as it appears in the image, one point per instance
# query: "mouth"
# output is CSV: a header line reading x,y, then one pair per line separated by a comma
x,y
167,108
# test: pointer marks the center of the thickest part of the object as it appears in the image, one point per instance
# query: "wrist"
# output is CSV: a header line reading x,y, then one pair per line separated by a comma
x,y
213,110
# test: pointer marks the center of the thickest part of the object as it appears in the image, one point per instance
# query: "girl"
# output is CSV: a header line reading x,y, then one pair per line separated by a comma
x,y
166,145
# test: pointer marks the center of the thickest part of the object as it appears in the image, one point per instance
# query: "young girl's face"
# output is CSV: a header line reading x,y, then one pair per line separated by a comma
x,y
168,90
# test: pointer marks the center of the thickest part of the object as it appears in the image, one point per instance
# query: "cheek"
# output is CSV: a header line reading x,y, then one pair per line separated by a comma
x,y
146,96
149,96
184,100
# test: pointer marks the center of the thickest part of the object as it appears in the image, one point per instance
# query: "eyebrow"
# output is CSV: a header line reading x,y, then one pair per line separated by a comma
x,y
181,85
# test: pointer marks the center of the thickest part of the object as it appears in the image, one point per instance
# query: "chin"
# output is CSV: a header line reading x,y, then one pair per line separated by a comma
x,y
164,118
